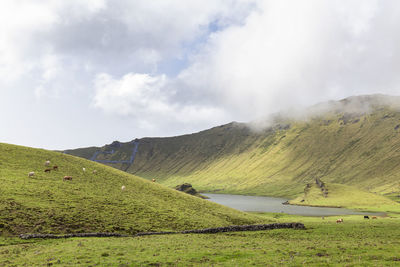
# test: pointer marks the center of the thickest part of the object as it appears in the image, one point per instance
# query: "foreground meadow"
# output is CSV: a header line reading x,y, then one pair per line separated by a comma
x,y
356,242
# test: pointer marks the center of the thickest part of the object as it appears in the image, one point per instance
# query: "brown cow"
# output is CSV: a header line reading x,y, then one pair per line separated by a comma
x,y
55,167
47,170
66,178
374,217
339,220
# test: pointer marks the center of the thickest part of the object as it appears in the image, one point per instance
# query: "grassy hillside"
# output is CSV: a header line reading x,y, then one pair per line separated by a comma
x,y
345,196
354,142
94,202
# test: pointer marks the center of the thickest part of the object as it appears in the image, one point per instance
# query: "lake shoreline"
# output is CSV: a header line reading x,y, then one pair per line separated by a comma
x,y
276,205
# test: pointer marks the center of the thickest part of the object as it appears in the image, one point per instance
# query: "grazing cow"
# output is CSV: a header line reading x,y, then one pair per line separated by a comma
x,y
84,169
47,163
55,167
94,171
366,217
374,217
123,187
31,174
66,178
339,220
153,180
47,170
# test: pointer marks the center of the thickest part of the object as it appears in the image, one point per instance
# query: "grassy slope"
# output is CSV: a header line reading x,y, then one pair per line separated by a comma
x,y
94,202
356,242
363,154
360,150
346,196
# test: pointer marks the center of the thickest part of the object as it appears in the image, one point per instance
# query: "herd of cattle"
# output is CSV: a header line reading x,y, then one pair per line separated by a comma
x,y
55,168
67,178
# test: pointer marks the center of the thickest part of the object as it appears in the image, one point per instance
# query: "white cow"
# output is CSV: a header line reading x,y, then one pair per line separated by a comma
x,y
123,187
84,169
47,163
31,174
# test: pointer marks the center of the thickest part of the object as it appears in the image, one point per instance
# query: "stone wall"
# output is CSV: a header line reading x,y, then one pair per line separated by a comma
x,y
234,228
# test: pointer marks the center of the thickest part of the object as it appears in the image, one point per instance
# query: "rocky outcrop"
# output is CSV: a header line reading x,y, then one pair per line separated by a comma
x,y
188,189
322,186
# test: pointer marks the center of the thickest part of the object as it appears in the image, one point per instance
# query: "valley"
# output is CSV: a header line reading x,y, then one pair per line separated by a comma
x,y
339,157
353,142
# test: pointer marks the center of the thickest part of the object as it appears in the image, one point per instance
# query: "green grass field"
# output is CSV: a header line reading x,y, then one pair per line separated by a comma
x,y
94,202
355,242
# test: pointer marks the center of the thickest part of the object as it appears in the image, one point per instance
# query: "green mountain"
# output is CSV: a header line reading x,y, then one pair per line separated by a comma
x,y
94,201
353,142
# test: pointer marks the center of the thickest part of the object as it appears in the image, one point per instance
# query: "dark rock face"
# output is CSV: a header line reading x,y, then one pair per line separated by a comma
x,y
115,144
187,188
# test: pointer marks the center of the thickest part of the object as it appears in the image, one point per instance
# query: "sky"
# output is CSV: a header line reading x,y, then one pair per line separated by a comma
x,y
85,73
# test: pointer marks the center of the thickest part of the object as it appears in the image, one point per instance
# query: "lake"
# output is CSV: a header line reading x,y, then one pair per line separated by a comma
x,y
272,204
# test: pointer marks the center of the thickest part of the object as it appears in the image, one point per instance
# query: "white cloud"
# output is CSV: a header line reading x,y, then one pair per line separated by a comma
x,y
145,98
131,95
297,53
285,54
174,66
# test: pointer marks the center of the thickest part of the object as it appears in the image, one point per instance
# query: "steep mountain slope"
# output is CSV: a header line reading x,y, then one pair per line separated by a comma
x,y
94,201
355,141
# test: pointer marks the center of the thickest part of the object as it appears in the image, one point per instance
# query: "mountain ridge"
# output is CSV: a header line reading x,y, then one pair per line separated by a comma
x,y
354,141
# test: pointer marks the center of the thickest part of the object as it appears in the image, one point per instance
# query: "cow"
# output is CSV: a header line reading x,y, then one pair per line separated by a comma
x,y
47,170
123,187
366,217
94,171
374,217
47,163
153,180
55,167
83,169
339,220
66,178
31,174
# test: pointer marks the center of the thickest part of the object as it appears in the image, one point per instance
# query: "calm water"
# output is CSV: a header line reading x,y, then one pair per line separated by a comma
x,y
272,204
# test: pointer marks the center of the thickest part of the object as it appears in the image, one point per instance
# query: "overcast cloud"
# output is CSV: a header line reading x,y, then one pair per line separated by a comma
x,y
79,73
